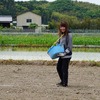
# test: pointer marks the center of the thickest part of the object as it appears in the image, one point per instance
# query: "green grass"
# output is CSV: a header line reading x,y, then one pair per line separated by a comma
x,y
86,40
47,39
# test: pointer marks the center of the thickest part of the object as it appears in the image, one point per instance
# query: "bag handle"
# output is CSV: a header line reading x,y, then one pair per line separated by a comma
x,y
58,39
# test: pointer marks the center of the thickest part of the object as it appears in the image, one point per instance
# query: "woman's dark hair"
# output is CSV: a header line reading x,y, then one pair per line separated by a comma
x,y
63,24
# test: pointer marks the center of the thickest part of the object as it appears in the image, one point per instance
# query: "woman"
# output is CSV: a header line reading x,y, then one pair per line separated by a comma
x,y
64,58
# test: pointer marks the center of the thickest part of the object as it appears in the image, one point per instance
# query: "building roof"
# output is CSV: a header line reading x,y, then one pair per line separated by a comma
x,y
5,18
29,13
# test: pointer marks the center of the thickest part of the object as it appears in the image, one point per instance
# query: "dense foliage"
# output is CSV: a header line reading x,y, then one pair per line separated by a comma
x,y
78,14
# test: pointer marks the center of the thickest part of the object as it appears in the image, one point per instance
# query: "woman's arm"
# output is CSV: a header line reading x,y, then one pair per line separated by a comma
x,y
69,47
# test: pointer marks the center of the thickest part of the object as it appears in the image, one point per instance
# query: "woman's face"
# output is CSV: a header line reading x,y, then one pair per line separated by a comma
x,y
62,29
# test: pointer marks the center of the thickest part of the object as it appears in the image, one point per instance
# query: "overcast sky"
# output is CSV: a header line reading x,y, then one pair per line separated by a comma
x,y
91,1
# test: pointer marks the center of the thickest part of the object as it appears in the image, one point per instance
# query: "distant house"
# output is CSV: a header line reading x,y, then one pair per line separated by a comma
x,y
25,19
5,20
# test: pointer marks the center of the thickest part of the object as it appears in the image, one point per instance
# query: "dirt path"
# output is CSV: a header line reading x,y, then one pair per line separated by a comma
x,y
38,82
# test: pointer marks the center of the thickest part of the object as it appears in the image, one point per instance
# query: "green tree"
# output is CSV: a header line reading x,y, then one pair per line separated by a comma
x,y
86,23
78,14
8,7
33,26
98,23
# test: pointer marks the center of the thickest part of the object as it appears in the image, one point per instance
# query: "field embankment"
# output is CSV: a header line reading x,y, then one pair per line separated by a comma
x,y
49,63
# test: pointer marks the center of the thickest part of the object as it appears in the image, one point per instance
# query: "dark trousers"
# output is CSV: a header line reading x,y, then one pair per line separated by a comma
x,y
62,69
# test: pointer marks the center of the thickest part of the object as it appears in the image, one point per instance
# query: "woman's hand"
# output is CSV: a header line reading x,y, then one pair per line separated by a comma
x,y
61,54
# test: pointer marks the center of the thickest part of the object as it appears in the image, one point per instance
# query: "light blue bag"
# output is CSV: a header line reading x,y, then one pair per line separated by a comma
x,y
54,50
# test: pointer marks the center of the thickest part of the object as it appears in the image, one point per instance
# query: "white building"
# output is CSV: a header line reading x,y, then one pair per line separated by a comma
x,y
25,19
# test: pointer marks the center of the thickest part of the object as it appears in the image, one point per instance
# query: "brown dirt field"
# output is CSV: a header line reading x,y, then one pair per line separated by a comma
x,y
38,82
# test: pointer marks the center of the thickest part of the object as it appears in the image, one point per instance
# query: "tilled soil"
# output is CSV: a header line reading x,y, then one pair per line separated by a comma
x,y
38,82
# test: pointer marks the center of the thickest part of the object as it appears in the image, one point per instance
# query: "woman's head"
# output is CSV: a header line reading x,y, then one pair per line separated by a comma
x,y
63,28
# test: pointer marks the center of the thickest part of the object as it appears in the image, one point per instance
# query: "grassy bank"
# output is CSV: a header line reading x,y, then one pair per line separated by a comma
x,y
46,48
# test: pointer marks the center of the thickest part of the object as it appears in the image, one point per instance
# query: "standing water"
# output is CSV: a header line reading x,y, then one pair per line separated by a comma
x,y
42,55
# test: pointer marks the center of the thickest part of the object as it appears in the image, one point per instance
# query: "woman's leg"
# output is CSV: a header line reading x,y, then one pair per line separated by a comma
x,y
59,68
65,66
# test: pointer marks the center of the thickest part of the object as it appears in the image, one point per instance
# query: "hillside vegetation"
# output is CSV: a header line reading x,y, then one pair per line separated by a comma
x,y
79,15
